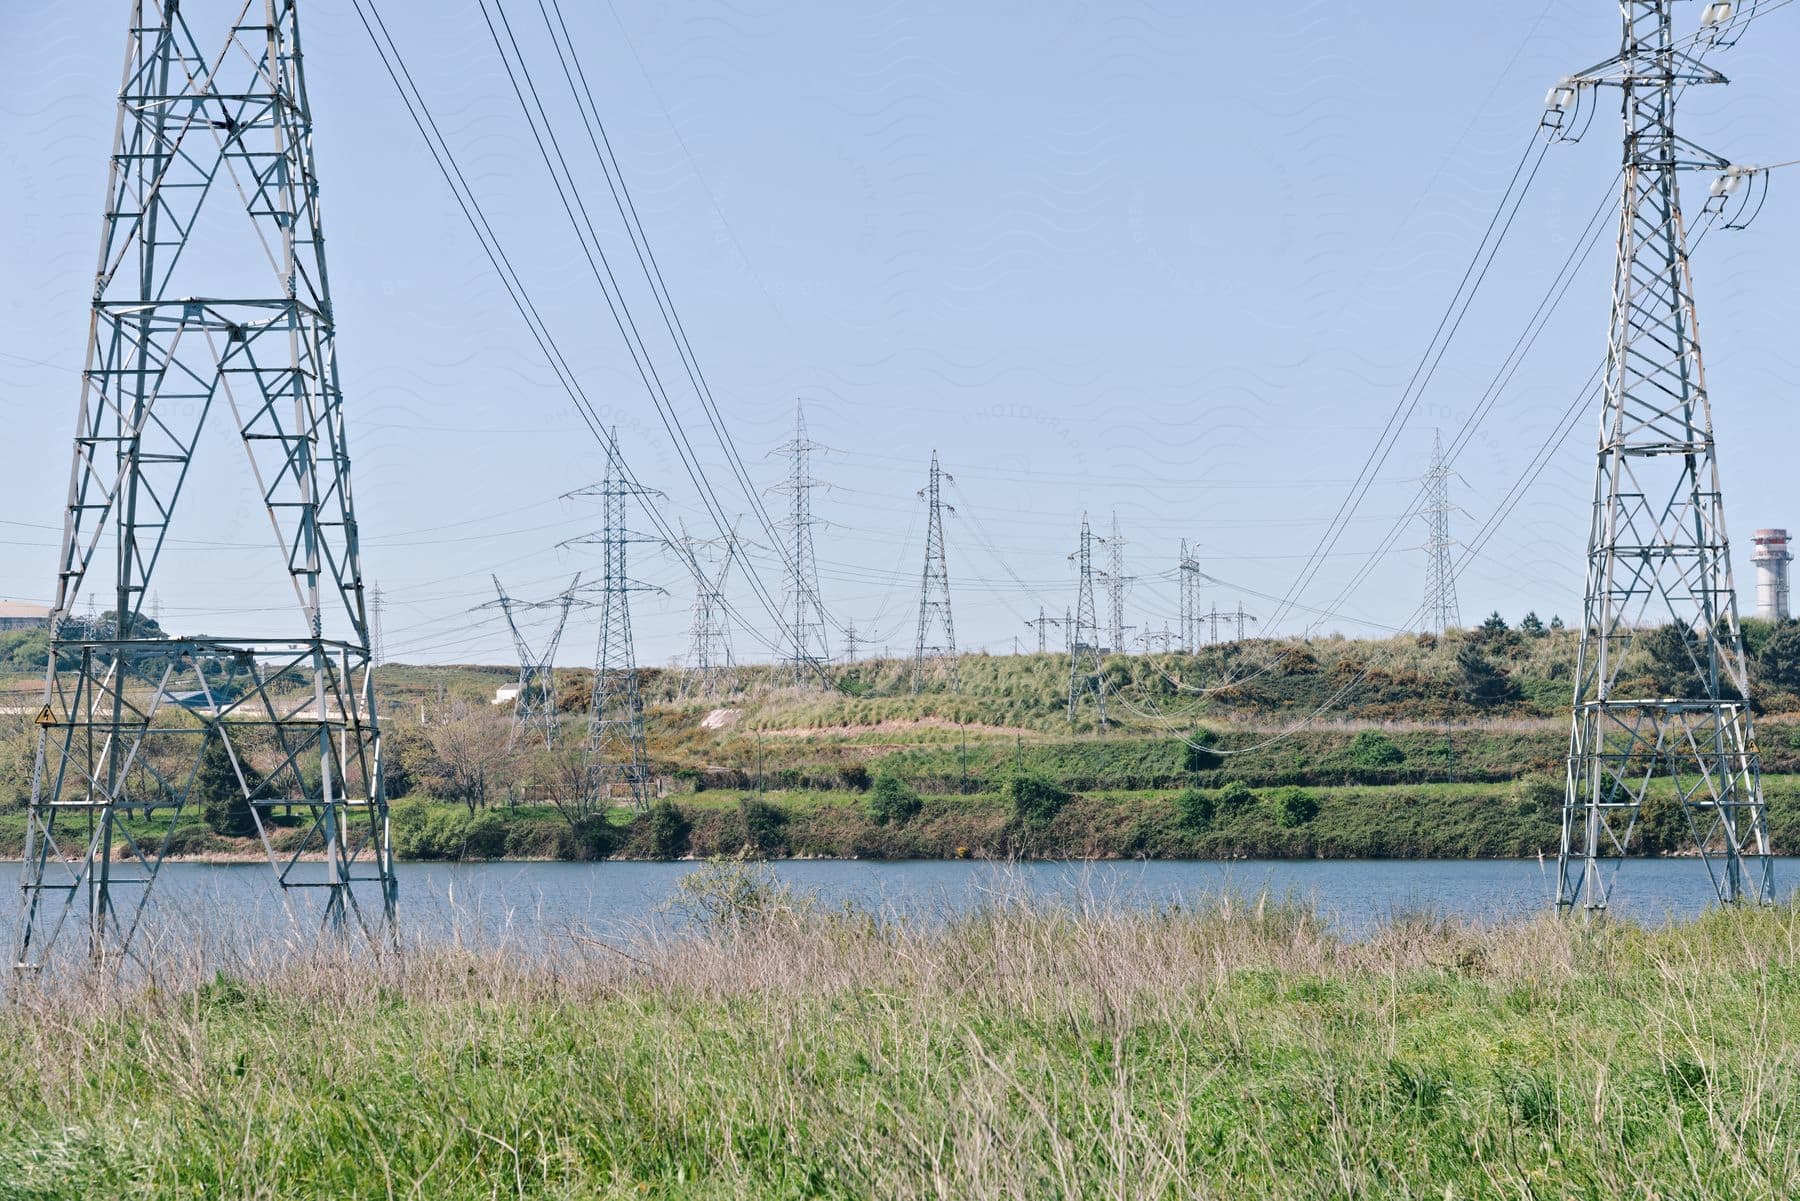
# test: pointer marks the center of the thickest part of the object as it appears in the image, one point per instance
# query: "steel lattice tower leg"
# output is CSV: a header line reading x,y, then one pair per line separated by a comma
x,y
614,751
534,708
209,147
934,588
1657,550
1441,609
1084,645
810,644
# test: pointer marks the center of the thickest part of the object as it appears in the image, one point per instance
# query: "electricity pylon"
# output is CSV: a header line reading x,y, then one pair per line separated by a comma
x,y
1657,550
210,302
1114,575
377,612
1441,610
534,706
614,754
1191,617
710,661
934,589
1042,625
1084,645
808,643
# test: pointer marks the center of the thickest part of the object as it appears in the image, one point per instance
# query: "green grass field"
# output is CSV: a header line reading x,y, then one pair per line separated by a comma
x,y
1234,1051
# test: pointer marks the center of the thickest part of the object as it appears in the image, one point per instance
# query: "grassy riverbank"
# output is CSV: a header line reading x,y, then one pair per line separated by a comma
x,y
1231,1052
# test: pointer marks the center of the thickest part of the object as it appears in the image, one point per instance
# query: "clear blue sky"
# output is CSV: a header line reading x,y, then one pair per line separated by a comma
x,y
1177,261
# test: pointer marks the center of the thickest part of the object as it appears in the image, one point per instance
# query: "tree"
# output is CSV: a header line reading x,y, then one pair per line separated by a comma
x,y
765,826
222,799
892,800
1197,753
1495,624
1778,664
1530,624
1194,808
1036,800
1372,748
1482,683
1235,797
1293,807
666,830
1556,622
470,748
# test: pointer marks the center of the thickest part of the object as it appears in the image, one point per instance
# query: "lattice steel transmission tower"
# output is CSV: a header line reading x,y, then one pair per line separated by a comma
x,y
210,301
1659,563
1043,625
809,645
1188,636
615,760
935,621
534,705
710,660
1441,610
1085,677
1114,575
377,613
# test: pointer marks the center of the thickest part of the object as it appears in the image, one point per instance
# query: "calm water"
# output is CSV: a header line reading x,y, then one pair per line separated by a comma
x,y
544,903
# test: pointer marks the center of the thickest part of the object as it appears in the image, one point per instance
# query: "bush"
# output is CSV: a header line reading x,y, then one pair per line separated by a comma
x,y
1195,808
1196,754
765,826
855,777
666,829
1293,807
220,797
423,831
1371,748
892,800
1235,797
1778,663
1035,800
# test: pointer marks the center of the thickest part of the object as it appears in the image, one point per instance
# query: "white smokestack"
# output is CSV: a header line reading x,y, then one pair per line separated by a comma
x,y
1771,557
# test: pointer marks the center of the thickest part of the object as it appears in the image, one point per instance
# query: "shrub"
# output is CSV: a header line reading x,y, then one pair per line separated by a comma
x,y
222,802
765,826
1371,748
1195,808
1196,752
666,829
892,800
1235,797
1035,800
855,777
1293,807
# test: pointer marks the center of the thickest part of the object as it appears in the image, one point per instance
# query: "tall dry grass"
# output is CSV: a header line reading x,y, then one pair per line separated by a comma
x,y
767,1047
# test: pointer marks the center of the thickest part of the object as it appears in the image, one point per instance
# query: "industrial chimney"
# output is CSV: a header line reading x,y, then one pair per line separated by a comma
x,y
1771,557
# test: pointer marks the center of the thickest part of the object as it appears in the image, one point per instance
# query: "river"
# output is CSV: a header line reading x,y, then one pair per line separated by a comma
x,y
522,904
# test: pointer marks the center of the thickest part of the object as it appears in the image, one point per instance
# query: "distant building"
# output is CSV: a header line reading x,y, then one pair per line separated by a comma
x,y
1771,557
16,615
506,694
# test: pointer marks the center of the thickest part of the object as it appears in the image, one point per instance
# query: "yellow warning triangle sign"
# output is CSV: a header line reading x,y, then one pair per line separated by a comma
x,y
45,717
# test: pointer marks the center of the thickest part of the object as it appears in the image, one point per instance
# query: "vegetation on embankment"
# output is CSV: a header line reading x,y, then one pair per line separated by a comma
x,y
1421,821
1406,746
1225,1050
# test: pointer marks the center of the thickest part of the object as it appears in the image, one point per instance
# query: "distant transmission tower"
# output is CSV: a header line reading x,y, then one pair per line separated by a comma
x,y
1658,558
377,641
1441,611
615,758
1084,645
1043,625
1116,629
212,154
934,590
534,706
1188,636
809,646
710,662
